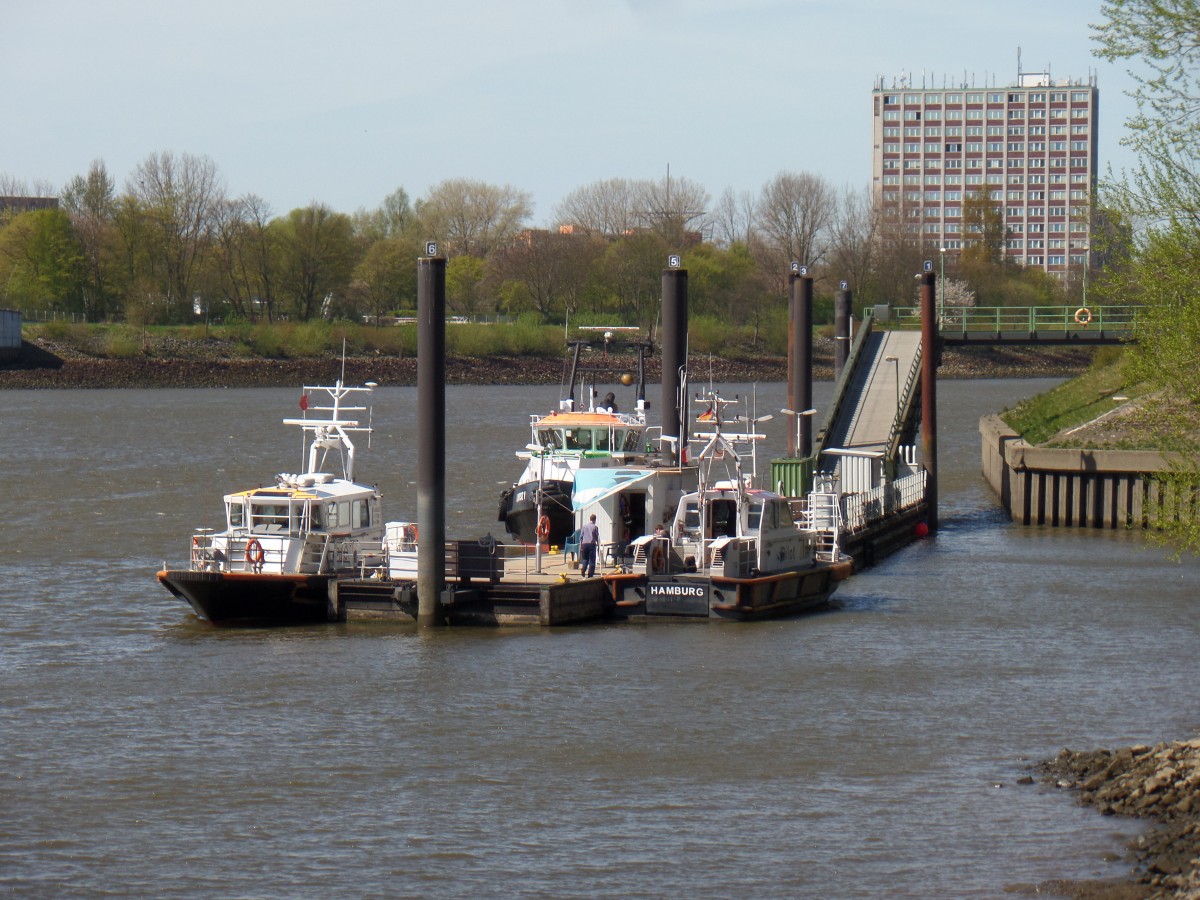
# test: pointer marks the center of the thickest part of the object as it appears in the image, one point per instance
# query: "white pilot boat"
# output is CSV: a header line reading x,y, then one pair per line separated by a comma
x,y
282,545
734,551
583,435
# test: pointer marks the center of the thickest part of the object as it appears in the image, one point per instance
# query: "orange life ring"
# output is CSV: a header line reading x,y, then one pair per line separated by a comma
x,y
1083,315
543,528
254,552
410,534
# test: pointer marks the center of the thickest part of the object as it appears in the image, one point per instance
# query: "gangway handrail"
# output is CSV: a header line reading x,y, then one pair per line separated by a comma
x,y
843,382
897,429
1097,318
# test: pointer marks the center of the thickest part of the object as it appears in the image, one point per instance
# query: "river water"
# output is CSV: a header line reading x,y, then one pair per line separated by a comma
x,y
871,750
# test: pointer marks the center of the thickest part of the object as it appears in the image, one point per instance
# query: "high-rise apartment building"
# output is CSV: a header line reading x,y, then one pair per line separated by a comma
x,y
1030,147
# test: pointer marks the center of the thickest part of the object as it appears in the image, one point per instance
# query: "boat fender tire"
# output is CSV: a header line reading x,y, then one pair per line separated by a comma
x,y
543,528
658,559
254,552
1083,315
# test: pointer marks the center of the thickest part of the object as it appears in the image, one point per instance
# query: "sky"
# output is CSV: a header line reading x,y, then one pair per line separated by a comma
x,y
343,103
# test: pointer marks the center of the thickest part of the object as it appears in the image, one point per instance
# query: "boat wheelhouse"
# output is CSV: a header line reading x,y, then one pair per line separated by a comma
x,y
580,434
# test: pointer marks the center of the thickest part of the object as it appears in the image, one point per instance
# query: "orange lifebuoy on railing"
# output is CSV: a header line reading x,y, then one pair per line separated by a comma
x,y
1083,315
254,554
543,528
658,559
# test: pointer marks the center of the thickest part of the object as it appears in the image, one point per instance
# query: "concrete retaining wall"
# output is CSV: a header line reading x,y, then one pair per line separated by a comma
x,y
1072,488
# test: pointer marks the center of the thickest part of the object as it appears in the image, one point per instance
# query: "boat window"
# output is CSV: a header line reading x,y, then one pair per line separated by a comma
x,y
237,515
316,517
632,441
551,438
784,513
578,439
754,520
601,438
691,517
362,514
343,509
271,518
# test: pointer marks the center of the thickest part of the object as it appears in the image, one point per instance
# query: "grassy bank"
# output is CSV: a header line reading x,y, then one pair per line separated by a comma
x,y
306,340
1060,417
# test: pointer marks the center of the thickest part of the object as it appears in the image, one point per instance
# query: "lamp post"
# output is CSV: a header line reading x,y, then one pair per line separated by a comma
x,y
941,284
895,361
1087,258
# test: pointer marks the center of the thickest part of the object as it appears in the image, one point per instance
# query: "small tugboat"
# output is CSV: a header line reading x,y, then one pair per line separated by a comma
x,y
538,507
733,551
282,545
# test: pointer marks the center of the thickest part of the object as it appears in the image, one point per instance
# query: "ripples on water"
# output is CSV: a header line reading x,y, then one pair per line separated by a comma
x,y
855,753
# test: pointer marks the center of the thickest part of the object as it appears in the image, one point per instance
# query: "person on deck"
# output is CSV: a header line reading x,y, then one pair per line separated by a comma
x,y
589,544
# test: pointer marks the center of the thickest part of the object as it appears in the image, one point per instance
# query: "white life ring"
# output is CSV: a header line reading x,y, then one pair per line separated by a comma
x,y
1083,315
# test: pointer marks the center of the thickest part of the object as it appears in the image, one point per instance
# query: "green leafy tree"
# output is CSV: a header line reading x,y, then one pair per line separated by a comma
x,y
388,274
465,279
42,262
317,254
1163,38
1162,196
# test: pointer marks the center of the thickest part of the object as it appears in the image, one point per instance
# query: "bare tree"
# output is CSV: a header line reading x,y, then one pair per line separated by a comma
x,y
549,267
795,212
672,207
732,219
471,217
90,201
607,208
179,197
244,255
852,237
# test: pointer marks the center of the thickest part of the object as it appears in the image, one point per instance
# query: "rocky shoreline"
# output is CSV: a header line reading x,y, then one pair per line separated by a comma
x,y
1160,783
199,364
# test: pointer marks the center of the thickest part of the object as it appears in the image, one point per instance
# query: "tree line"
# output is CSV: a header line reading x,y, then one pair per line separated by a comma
x,y
172,245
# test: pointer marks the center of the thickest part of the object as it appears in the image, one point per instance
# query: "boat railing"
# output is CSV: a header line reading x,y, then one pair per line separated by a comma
x,y
863,509
249,552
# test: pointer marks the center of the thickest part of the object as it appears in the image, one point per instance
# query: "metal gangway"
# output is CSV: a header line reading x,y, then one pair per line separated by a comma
x,y
875,403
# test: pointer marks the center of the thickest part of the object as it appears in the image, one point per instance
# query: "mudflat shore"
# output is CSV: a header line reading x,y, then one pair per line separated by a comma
x,y
199,364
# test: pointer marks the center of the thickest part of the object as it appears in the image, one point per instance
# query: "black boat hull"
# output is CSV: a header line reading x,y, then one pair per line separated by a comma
x,y
240,599
521,513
